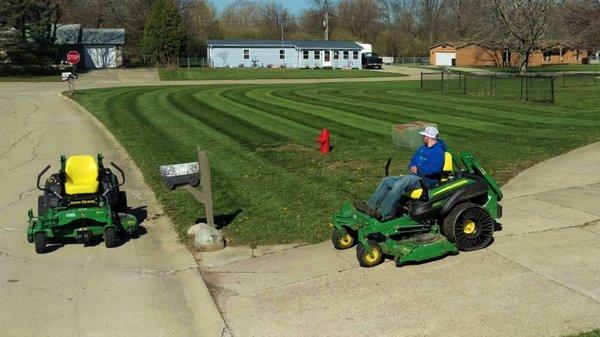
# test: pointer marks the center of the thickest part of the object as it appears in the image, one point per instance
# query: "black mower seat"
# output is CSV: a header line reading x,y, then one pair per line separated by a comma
x,y
446,171
82,175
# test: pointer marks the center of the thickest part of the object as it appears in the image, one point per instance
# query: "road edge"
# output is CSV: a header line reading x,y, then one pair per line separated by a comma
x,y
208,319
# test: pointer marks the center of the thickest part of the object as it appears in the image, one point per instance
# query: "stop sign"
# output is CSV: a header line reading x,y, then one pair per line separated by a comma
x,y
73,57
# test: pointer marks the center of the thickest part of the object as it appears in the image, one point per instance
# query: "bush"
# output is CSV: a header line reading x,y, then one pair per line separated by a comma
x,y
164,34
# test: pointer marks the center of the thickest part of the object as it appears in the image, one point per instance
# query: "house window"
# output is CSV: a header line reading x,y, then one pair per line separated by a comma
x,y
506,55
282,54
336,54
305,54
246,54
317,54
346,53
355,55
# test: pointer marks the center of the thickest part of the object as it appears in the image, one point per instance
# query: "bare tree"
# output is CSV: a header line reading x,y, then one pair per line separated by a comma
x,y
526,22
223,55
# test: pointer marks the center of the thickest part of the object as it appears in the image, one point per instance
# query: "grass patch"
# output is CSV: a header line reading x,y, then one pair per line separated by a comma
x,y
594,333
269,180
265,73
52,78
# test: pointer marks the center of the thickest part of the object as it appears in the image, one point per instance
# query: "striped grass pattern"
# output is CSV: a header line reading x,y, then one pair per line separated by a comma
x,y
270,183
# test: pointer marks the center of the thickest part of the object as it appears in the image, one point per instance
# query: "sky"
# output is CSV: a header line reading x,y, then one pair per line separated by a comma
x,y
295,6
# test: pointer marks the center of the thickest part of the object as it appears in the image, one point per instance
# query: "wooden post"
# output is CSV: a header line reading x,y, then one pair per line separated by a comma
x,y
203,193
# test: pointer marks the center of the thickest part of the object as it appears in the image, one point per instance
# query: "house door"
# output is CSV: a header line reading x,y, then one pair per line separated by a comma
x,y
327,58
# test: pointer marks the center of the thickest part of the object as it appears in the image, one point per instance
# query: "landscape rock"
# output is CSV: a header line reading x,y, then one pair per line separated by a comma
x,y
208,239
192,230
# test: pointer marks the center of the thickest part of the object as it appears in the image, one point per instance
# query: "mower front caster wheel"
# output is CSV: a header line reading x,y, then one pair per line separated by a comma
x,y
110,237
342,241
369,259
40,241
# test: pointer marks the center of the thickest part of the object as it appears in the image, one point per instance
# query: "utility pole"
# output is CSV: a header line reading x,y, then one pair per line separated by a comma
x,y
326,24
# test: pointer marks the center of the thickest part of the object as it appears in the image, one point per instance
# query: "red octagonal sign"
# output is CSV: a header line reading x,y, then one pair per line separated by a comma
x,y
73,57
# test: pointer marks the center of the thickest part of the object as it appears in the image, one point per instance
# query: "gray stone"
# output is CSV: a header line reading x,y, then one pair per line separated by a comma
x,y
192,230
208,238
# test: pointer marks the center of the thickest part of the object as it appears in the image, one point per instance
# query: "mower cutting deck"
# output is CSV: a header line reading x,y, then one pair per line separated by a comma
x,y
80,202
457,214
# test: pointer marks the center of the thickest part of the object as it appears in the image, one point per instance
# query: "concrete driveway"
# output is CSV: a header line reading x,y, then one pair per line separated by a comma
x,y
541,276
146,287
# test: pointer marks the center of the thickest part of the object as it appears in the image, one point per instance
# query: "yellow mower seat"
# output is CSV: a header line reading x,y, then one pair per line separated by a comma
x,y
82,175
446,170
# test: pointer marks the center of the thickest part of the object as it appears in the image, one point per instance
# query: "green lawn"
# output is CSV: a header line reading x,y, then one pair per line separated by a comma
x,y
51,78
265,73
268,177
594,333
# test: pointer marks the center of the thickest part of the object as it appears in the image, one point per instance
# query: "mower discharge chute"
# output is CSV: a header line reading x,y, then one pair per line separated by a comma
x,y
81,201
457,214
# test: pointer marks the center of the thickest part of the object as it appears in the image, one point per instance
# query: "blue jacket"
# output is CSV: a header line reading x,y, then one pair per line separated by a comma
x,y
429,162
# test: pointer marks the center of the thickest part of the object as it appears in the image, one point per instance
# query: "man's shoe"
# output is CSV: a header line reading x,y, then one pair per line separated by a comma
x,y
362,206
376,215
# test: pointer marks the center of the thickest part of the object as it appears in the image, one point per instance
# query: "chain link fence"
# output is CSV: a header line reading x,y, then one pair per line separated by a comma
x,y
533,88
411,60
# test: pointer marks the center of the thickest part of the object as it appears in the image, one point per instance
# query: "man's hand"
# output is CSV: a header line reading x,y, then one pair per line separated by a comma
x,y
413,170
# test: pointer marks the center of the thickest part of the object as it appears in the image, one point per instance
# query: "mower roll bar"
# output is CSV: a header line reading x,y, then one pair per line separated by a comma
x,y
43,189
118,184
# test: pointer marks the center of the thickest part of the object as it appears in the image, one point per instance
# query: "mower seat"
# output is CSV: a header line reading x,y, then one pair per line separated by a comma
x,y
82,175
446,170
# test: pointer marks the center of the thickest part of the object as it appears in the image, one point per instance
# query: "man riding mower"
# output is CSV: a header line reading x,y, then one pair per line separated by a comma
x,y
80,202
444,205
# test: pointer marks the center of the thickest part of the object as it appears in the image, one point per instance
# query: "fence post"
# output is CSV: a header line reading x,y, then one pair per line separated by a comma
x,y
465,85
552,88
527,83
442,82
421,81
521,87
188,62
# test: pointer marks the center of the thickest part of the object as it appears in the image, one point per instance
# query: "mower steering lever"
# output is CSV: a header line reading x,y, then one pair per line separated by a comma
x,y
40,177
122,173
43,189
119,184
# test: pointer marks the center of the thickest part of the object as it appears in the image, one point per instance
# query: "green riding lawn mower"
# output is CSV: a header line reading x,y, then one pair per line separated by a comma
x,y
457,214
81,202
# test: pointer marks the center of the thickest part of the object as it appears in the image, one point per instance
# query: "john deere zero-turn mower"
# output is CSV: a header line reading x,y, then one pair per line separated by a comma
x,y
80,202
457,214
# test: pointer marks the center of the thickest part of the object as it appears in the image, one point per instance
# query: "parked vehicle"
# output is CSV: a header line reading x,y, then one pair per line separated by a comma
x,y
371,60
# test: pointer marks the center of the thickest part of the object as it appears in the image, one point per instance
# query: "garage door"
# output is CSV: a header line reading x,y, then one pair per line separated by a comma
x,y
100,57
444,59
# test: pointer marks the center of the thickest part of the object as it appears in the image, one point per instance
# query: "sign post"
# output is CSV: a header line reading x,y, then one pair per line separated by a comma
x,y
73,58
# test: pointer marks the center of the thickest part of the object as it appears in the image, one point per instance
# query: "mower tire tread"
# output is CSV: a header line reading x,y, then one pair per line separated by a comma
x,y
121,206
110,237
469,226
40,242
42,205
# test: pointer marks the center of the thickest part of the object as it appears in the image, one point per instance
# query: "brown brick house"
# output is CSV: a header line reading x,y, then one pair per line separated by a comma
x,y
478,54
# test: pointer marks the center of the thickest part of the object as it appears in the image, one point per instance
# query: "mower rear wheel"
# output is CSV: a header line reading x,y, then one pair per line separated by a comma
x,y
342,241
110,237
42,205
469,226
40,242
121,206
369,259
